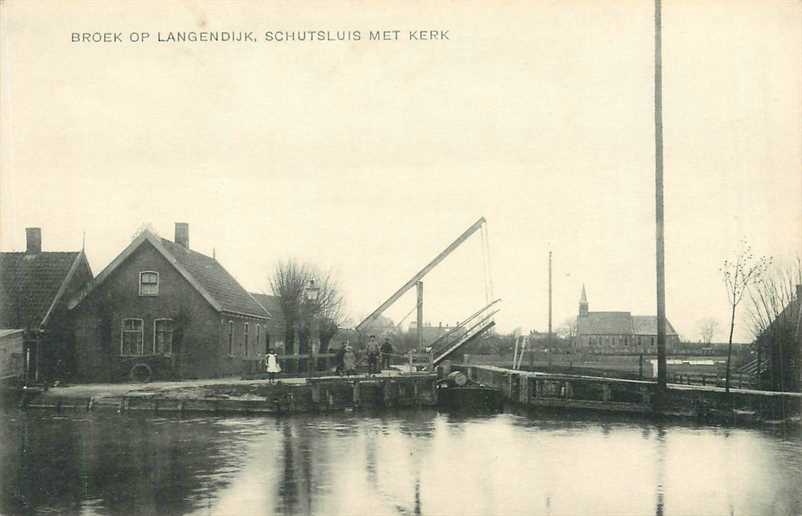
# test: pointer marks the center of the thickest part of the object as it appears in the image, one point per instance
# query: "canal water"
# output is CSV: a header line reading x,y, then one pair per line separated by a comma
x,y
393,463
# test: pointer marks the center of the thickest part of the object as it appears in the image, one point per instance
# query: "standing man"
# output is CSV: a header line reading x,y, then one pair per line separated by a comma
x,y
339,358
386,351
373,354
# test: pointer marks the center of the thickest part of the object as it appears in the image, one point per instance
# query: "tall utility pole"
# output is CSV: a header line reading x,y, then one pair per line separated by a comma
x,y
549,299
419,285
658,175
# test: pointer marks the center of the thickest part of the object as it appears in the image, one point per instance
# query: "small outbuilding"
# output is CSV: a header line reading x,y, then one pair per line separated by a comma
x,y
34,288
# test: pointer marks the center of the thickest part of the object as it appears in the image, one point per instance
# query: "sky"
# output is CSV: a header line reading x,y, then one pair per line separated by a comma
x,y
367,158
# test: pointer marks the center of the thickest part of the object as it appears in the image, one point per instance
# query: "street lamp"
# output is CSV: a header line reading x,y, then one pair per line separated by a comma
x,y
311,293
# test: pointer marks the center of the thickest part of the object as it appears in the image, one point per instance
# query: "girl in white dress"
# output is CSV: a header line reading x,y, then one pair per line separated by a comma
x,y
271,365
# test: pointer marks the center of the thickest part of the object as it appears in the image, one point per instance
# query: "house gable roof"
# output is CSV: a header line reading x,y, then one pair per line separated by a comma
x,y
206,275
32,284
791,314
273,306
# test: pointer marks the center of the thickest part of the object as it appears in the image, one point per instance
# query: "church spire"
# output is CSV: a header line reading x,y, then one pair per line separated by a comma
x,y
583,303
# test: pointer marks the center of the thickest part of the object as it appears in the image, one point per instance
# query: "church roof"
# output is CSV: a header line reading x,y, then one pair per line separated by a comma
x,y
647,325
605,323
620,323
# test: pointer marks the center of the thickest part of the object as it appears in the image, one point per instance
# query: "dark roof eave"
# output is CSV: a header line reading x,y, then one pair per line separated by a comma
x,y
81,257
243,314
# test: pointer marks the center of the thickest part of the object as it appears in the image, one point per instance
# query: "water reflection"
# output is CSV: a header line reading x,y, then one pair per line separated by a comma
x,y
660,468
416,462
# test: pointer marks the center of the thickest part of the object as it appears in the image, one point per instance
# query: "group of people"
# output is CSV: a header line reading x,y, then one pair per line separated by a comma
x,y
347,359
345,356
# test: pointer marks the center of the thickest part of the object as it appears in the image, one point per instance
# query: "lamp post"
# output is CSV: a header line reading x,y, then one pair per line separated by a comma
x,y
311,293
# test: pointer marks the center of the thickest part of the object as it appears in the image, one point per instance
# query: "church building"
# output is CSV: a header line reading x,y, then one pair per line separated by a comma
x,y
618,332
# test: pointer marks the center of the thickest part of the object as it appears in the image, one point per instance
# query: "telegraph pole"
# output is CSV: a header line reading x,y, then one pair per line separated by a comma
x,y
658,141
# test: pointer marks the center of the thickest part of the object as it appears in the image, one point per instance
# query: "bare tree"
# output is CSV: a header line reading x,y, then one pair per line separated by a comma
x,y
567,330
330,306
708,327
738,276
289,282
380,325
773,325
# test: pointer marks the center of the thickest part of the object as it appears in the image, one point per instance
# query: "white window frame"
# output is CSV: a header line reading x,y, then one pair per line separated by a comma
x,y
230,337
141,350
245,335
172,330
158,282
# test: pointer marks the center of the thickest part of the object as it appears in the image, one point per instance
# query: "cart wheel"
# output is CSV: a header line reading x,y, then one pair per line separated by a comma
x,y
141,373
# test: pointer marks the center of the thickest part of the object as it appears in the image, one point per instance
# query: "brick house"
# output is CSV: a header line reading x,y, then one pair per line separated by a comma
x,y
34,288
618,332
162,310
276,326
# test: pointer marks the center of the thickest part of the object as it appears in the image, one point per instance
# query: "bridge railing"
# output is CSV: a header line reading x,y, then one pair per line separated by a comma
x,y
737,380
317,364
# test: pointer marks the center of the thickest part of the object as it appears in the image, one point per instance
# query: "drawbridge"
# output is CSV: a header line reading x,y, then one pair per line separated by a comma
x,y
469,329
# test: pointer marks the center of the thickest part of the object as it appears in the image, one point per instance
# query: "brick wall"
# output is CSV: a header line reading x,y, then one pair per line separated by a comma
x,y
200,345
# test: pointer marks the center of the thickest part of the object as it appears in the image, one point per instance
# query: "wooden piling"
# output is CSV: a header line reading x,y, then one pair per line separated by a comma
x,y
356,394
606,392
315,393
387,395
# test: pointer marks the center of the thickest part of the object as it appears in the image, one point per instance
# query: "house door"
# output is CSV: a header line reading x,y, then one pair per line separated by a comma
x,y
92,360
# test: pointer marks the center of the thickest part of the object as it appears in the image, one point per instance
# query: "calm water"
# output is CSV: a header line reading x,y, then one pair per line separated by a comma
x,y
401,463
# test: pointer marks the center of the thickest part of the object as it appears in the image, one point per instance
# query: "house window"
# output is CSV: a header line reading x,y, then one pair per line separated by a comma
x,y
230,337
163,336
245,338
258,336
148,283
131,337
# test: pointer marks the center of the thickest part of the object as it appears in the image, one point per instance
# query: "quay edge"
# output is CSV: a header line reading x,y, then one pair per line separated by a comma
x,y
287,396
578,392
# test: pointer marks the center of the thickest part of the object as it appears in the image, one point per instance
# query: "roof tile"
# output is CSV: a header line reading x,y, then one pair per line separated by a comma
x,y
29,284
213,277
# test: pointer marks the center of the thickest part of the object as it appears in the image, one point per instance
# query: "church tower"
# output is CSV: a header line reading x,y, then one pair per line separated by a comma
x,y
583,303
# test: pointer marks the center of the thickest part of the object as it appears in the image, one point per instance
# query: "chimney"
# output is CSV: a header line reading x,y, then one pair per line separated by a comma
x,y
182,234
33,237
